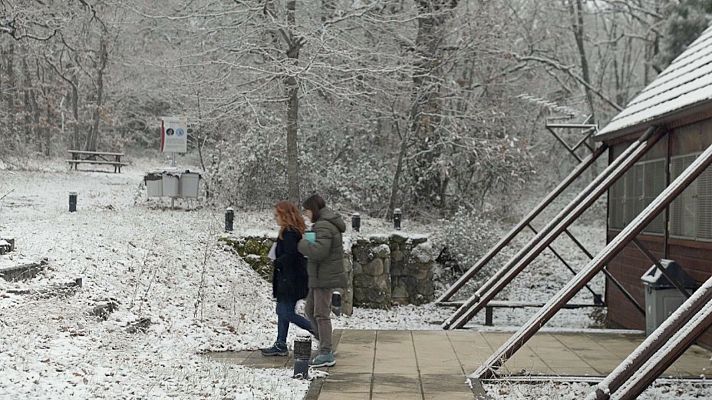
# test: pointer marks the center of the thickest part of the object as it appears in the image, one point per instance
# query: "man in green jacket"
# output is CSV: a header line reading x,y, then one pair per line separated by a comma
x,y
324,250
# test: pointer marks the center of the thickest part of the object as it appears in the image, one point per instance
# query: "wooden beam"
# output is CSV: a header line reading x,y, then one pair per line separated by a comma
x,y
526,332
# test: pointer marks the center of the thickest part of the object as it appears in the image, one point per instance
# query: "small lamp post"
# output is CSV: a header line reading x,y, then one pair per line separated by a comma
x,y
336,303
229,218
72,201
397,216
356,222
302,354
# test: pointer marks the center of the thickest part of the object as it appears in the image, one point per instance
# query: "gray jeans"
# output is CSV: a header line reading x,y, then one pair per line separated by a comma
x,y
318,309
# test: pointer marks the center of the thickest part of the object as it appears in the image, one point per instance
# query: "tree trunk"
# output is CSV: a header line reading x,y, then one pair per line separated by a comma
x,y
426,109
576,11
294,45
32,109
396,177
10,94
93,138
75,114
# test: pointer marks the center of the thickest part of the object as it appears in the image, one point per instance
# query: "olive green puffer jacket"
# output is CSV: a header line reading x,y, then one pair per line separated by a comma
x,y
326,256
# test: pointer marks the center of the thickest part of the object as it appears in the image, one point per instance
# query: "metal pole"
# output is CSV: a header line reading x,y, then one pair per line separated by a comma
x,y
587,162
653,343
573,153
527,331
584,140
173,160
562,220
672,350
608,275
557,255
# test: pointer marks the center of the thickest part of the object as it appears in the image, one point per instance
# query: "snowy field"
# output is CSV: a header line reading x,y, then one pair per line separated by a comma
x,y
166,266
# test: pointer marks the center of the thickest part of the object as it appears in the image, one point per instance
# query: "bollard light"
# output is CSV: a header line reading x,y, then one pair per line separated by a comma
x,y
229,218
336,303
397,215
302,354
72,201
356,222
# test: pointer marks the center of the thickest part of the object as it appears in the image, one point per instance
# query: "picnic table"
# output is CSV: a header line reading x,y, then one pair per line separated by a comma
x,y
96,157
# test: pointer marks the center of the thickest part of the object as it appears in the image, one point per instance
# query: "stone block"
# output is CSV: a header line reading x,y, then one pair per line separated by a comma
x,y
382,251
422,271
348,263
371,297
400,295
363,281
357,268
383,282
397,256
374,268
362,253
398,238
378,239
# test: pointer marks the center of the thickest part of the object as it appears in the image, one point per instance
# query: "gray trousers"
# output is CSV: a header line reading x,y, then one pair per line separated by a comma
x,y
318,309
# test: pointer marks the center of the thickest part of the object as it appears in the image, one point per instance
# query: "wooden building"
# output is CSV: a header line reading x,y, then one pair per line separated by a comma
x,y
679,100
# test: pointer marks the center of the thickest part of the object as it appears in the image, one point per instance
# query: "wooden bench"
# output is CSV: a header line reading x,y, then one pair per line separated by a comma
x,y
95,157
489,308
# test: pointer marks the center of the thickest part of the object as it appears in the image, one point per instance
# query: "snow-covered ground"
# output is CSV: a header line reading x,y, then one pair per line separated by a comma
x,y
167,266
159,264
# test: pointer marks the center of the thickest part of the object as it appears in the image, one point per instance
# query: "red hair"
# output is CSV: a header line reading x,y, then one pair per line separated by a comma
x,y
290,217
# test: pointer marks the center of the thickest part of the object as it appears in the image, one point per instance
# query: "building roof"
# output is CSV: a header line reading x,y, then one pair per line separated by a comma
x,y
686,83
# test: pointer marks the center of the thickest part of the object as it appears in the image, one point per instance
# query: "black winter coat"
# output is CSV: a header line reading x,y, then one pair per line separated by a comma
x,y
289,279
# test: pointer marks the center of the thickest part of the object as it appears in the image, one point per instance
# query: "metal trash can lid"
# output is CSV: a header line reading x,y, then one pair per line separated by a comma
x,y
152,176
654,278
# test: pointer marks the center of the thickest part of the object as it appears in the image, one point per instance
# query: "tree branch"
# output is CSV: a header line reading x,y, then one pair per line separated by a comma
x,y
569,70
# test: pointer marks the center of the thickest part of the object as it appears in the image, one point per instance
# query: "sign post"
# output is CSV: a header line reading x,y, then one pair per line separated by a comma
x,y
174,139
174,136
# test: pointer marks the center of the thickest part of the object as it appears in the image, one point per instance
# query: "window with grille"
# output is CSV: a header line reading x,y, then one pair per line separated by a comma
x,y
654,184
691,211
634,191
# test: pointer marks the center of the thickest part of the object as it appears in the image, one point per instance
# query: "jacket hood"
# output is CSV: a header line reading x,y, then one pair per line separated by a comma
x,y
328,215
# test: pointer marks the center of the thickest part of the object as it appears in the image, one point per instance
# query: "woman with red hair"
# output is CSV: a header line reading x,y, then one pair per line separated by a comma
x,y
289,279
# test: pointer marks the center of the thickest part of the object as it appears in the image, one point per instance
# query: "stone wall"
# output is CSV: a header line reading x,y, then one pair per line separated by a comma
x,y
394,269
411,270
381,270
254,250
372,273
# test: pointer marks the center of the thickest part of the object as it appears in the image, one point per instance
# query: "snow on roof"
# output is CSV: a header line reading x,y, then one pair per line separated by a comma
x,y
686,82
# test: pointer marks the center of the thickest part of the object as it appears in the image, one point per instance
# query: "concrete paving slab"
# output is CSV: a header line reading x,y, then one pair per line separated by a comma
x,y
344,396
343,382
394,396
433,364
396,383
436,383
448,396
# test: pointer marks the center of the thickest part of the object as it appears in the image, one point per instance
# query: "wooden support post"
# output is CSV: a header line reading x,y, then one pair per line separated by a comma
x,y
653,343
548,234
663,359
526,332
588,161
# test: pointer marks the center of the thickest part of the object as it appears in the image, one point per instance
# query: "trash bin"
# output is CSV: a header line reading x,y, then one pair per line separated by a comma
x,y
189,184
662,298
154,184
171,186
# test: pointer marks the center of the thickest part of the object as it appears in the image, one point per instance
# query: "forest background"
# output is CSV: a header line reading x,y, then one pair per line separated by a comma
x,y
437,107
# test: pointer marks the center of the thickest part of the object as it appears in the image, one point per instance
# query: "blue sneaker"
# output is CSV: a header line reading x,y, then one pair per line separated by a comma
x,y
323,360
277,349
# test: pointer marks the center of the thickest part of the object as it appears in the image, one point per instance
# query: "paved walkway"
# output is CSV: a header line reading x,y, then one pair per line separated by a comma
x,y
433,364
